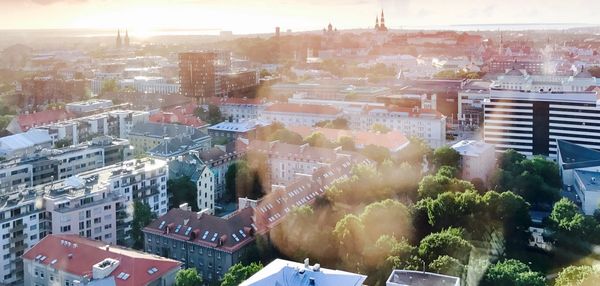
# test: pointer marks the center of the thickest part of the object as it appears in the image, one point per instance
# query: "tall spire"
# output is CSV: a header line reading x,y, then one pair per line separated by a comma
x,y
126,38
118,43
377,22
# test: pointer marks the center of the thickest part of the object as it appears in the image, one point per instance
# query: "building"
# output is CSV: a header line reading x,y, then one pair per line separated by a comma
x,y
427,124
218,159
477,159
46,165
285,272
20,218
87,107
299,114
380,25
392,140
147,136
530,122
530,65
230,131
238,83
23,122
198,73
420,278
210,244
470,102
116,123
578,167
191,167
181,114
239,109
73,260
13,146
519,80
303,190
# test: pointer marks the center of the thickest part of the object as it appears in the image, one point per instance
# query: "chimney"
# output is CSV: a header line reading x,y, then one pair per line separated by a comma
x,y
107,247
306,263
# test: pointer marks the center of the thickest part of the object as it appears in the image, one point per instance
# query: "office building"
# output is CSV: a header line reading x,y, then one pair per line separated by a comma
x,y
579,171
210,244
197,73
72,261
530,122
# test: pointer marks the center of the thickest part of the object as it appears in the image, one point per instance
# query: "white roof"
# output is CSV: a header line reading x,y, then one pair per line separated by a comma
x,y
472,147
283,272
25,140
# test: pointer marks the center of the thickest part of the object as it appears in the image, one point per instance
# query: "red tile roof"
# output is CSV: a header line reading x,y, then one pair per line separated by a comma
x,y
179,114
220,233
392,140
27,121
304,190
85,253
303,108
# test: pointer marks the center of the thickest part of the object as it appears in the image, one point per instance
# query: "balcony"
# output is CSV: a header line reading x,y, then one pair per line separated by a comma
x,y
16,238
19,227
18,248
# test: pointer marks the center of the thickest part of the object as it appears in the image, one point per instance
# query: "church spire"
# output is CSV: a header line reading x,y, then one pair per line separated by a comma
x,y
377,22
126,38
118,43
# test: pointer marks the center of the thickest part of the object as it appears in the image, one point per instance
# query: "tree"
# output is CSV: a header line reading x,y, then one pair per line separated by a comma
x,y
242,181
212,115
583,275
184,191
511,272
238,273
142,216
286,136
61,143
318,139
434,185
446,156
188,277
347,143
447,242
447,265
378,127
110,85
566,217
376,153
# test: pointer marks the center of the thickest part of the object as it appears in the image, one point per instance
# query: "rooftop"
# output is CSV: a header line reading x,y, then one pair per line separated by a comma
x,y
284,272
472,147
77,255
392,140
420,278
227,234
573,156
243,126
303,108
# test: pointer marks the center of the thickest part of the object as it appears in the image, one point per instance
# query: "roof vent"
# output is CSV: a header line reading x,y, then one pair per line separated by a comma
x,y
70,255
317,267
311,281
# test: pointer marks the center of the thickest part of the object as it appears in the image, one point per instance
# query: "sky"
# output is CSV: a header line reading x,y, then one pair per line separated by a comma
x,y
257,16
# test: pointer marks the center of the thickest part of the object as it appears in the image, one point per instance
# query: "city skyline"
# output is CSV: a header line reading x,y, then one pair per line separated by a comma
x,y
143,17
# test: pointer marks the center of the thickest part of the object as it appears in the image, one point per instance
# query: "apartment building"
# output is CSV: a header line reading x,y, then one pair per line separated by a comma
x,y
71,260
518,80
56,164
208,243
299,114
172,138
191,167
427,124
239,109
117,123
530,122
20,229
218,159
477,159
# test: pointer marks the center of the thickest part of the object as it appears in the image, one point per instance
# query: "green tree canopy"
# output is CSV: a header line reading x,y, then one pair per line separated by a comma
x,y
378,127
238,273
318,139
286,136
142,216
511,272
447,265
184,191
446,242
376,153
188,277
446,156
242,181
347,143
583,275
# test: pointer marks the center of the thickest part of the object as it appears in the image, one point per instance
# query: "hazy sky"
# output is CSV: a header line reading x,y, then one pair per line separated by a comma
x,y
248,16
